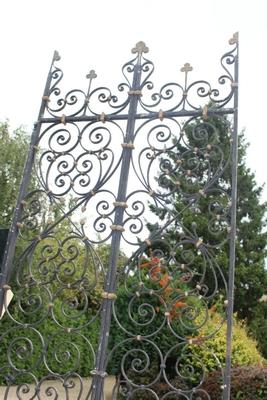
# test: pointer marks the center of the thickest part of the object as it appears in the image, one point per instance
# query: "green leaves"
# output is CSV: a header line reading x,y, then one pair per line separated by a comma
x,y
14,147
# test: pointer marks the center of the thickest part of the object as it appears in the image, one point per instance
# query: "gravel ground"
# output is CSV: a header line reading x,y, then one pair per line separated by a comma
x,y
46,394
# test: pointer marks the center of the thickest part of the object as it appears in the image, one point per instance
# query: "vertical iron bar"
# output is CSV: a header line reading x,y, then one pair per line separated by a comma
x,y
231,278
110,283
13,231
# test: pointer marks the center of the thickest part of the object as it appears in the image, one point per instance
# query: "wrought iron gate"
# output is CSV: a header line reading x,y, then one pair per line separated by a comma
x,y
150,171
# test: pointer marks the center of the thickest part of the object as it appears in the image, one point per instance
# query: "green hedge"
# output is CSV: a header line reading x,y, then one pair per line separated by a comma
x,y
141,310
248,383
244,353
55,351
258,326
244,347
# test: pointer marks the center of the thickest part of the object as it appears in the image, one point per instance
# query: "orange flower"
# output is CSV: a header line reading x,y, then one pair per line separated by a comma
x,y
146,264
179,304
152,263
213,308
154,273
164,281
155,260
168,290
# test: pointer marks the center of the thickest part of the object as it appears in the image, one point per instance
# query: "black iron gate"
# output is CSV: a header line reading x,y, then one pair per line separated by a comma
x,y
146,173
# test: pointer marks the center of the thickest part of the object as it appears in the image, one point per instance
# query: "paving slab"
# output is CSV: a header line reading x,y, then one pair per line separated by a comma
x,y
54,390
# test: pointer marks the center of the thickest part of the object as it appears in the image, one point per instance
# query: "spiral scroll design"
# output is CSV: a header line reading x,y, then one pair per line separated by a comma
x,y
172,96
173,280
77,161
126,223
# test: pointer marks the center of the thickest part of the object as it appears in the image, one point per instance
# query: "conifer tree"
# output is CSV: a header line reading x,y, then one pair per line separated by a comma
x,y
197,168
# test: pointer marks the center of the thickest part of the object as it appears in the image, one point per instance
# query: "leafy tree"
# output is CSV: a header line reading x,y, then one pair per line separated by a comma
x,y
14,147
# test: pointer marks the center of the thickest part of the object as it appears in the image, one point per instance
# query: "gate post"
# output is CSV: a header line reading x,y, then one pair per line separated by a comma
x,y
231,276
110,282
8,255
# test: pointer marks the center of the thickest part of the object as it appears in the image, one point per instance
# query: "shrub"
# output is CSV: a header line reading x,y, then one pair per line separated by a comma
x,y
258,326
244,347
144,316
248,383
198,355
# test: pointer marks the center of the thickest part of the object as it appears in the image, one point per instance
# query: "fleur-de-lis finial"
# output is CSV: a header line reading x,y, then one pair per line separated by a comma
x,y
91,75
140,48
56,56
186,68
234,39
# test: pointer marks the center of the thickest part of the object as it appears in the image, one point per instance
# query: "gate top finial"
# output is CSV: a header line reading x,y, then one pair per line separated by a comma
x,y
56,56
186,68
234,39
140,48
91,75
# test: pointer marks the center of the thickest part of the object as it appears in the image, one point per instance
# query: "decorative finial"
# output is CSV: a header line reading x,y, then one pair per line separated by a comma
x,y
91,75
234,39
56,56
186,68
140,48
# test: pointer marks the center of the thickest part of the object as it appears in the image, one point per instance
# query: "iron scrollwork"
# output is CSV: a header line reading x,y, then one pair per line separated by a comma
x,y
70,228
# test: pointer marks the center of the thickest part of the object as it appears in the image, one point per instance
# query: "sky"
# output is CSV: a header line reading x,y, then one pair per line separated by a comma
x,y
100,34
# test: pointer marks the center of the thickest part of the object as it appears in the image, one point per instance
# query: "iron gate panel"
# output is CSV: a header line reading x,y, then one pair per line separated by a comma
x,y
102,162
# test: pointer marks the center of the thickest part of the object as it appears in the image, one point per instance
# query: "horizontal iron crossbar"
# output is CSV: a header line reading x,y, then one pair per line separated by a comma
x,y
167,114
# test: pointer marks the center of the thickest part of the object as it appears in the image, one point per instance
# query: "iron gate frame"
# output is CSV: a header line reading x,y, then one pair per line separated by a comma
x,y
131,117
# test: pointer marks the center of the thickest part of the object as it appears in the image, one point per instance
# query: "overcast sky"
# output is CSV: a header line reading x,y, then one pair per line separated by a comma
x,y
100,34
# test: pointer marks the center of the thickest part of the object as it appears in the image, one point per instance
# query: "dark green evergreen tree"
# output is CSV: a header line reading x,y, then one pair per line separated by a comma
x,y
258,325
203,180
